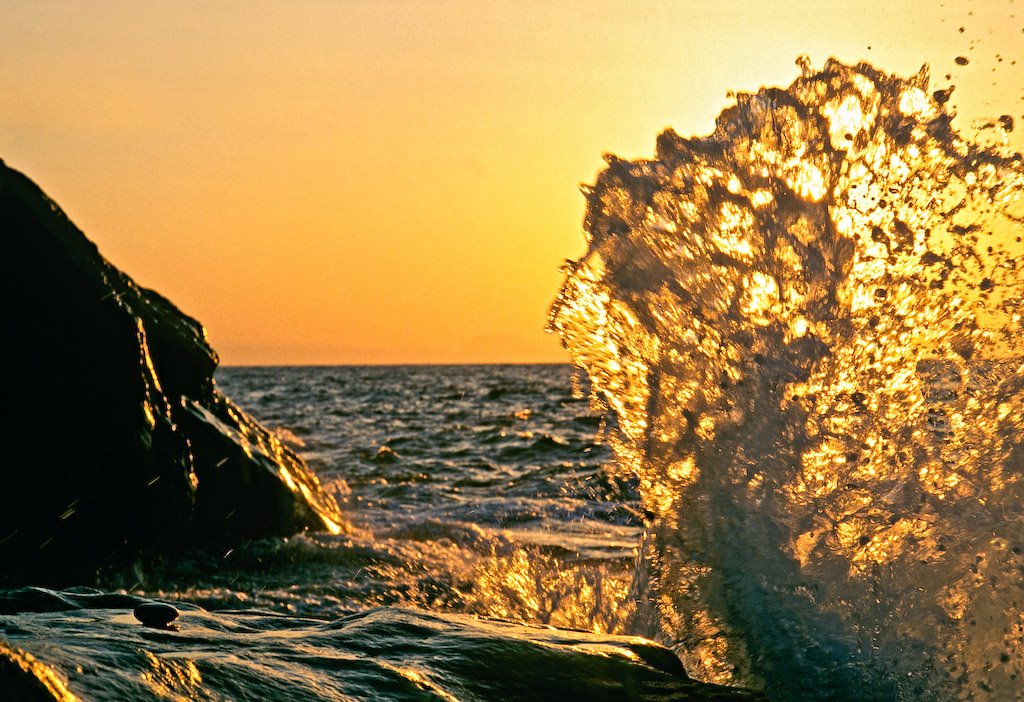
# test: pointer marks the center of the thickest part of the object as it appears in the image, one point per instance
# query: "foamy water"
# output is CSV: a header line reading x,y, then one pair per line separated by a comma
x,y
807,328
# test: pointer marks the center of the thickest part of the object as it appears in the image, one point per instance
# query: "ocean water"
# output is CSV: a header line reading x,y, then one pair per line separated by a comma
x,y
790,452
472,489
468,490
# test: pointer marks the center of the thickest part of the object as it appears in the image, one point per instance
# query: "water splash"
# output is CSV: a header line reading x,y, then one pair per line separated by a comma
x,y
806,330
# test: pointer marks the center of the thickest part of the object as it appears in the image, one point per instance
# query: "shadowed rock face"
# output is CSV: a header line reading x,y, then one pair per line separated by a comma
x,y
113,435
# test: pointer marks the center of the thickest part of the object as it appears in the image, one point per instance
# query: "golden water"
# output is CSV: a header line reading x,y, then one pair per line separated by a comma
x,y
806,328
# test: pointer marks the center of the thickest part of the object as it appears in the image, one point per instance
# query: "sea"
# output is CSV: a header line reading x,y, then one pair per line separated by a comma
x,y
786,455
476,498
481,490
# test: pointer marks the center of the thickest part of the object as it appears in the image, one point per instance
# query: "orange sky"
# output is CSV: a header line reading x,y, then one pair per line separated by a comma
x,y
375,181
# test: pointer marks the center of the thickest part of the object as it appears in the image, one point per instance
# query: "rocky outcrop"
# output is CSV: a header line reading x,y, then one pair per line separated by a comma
x,y
113,434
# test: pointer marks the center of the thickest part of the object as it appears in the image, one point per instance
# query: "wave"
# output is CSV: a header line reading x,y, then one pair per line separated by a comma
x,y
805,330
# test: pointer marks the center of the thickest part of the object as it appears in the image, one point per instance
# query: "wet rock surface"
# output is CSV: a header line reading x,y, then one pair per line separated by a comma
x,y
114,435
87,646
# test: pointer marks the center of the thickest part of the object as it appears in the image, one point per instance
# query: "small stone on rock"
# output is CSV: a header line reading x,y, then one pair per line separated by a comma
x,y
156,614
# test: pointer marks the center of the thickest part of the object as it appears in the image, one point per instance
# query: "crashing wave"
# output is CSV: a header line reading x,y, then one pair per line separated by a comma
x,y
806,330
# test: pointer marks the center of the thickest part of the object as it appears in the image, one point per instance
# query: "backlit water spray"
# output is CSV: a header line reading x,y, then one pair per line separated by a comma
x,y
806,330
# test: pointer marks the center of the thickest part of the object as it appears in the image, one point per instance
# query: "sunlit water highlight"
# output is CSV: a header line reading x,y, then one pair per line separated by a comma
x,y
807,329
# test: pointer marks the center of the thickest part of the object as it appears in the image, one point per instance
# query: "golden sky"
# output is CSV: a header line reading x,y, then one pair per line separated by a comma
x,y
374,181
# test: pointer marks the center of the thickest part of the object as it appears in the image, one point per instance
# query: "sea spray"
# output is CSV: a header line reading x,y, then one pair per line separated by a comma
x,y
805,329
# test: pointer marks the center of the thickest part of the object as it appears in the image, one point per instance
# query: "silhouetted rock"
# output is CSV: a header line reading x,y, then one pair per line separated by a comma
x,y
113,434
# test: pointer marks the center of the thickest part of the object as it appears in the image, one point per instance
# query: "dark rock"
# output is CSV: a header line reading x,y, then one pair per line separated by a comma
x,y
156,614
114,435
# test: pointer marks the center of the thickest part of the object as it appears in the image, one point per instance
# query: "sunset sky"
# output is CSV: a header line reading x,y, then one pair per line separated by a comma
x,y
373,181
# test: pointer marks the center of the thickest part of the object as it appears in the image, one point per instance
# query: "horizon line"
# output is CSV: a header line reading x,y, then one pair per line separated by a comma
x,y
393,365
